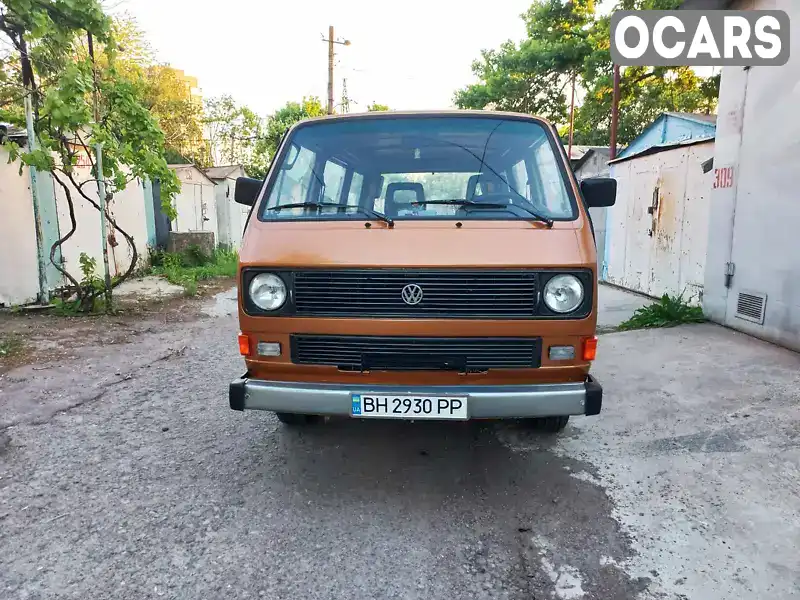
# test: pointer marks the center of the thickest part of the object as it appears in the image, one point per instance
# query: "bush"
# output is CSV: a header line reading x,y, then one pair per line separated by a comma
x,y
669,311
193,265
10,345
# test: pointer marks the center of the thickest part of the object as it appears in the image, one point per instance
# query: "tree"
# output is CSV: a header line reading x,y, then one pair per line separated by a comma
x,y
375,107
531,77
235,135
567,41
282,120
166,93
79,103
179,114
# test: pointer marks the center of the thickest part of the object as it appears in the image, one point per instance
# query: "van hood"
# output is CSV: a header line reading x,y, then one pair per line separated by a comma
x,y
416,244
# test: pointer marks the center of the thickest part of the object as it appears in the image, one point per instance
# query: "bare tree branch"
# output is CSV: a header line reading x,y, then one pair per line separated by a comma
x,y
60,242
125,234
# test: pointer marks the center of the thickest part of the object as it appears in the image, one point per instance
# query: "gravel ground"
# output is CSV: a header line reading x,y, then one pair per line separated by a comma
x,y
124,474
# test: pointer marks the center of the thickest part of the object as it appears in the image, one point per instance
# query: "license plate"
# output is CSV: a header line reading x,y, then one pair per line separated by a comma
x,y
409,407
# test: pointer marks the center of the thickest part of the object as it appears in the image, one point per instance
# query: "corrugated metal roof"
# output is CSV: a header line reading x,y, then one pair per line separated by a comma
x,y
700,117
222,172
192,166
662,148
671,128
580,154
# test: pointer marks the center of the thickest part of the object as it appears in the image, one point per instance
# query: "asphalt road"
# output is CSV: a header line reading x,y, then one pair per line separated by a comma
x,y
137,481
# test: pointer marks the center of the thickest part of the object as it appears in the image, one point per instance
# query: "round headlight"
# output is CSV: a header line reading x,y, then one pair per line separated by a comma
x,y
267,291
563,293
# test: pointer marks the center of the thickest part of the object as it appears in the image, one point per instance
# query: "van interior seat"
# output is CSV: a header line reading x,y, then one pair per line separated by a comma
x,y
494,182
392,206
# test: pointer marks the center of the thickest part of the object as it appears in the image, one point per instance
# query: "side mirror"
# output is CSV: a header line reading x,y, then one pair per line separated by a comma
x,y
246,190
599,191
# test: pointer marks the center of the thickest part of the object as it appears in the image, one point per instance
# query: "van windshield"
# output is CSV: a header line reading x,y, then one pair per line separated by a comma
x,y
419,168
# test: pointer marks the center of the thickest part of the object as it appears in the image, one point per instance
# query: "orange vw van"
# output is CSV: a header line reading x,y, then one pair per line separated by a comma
x,y
436,265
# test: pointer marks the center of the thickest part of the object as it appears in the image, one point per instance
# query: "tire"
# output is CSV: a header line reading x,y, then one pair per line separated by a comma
x,y
296,419
550,424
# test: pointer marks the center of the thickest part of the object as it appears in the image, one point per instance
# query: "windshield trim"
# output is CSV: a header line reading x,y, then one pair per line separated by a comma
x,y
286,143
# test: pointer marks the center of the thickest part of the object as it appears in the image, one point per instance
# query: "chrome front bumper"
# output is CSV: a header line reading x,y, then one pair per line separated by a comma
x,y
484,402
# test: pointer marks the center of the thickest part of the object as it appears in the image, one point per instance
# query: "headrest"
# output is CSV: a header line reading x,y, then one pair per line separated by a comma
x,y
483,178
417,188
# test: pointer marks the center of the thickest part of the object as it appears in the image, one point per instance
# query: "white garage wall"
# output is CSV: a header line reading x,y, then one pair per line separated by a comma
x,y
231,217
196,202
19,276
127,208
755,220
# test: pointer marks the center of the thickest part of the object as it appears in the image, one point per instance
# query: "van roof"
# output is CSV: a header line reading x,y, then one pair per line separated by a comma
x,y
430,113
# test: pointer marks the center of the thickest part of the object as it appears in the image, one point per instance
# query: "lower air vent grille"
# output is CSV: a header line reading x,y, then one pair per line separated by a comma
x,y
751,306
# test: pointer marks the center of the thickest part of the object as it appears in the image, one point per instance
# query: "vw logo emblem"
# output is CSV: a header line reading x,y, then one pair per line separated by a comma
x,y
412,294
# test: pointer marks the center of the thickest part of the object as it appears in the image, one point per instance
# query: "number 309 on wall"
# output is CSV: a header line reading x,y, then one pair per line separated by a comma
x,y
723,178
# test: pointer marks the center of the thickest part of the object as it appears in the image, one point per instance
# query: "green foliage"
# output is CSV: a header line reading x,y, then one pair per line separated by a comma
x,y
65,92
669,311
531,77
235,133
287,116
165,92
91,284
10,345
189,267
55,21
569,40
375,107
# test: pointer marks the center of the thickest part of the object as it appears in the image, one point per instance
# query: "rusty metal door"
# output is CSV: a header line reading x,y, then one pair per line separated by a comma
x,y
638,230
666,212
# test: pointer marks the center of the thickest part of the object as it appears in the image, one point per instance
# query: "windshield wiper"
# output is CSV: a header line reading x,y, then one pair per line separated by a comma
x,y
318,205
461,202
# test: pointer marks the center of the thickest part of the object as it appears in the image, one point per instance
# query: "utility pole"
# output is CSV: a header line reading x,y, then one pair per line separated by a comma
x,y
615,114
571,120
331,41
28,83
101,183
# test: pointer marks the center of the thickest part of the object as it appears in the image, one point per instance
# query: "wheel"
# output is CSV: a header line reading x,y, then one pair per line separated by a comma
x,y
296,419
550,424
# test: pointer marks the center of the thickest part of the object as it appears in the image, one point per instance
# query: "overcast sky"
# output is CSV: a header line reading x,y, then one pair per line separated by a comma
x,y
410,55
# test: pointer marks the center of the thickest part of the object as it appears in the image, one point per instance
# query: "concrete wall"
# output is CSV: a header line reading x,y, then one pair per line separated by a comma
x,y
661,250
231,217
755,212
127,208
19,275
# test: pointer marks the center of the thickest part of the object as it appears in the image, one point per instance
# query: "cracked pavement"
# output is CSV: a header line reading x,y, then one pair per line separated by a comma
x,y
124,474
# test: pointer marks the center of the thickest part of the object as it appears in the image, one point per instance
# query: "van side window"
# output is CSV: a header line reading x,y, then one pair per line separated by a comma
x,y
333,176
294,182
354,193
520,174
555,199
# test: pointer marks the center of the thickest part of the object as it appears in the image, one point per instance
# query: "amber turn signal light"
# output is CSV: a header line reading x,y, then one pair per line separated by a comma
x,y
244,345
590,348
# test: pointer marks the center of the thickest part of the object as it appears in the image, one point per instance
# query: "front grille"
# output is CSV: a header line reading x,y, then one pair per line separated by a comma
x,y
451,294
416,353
